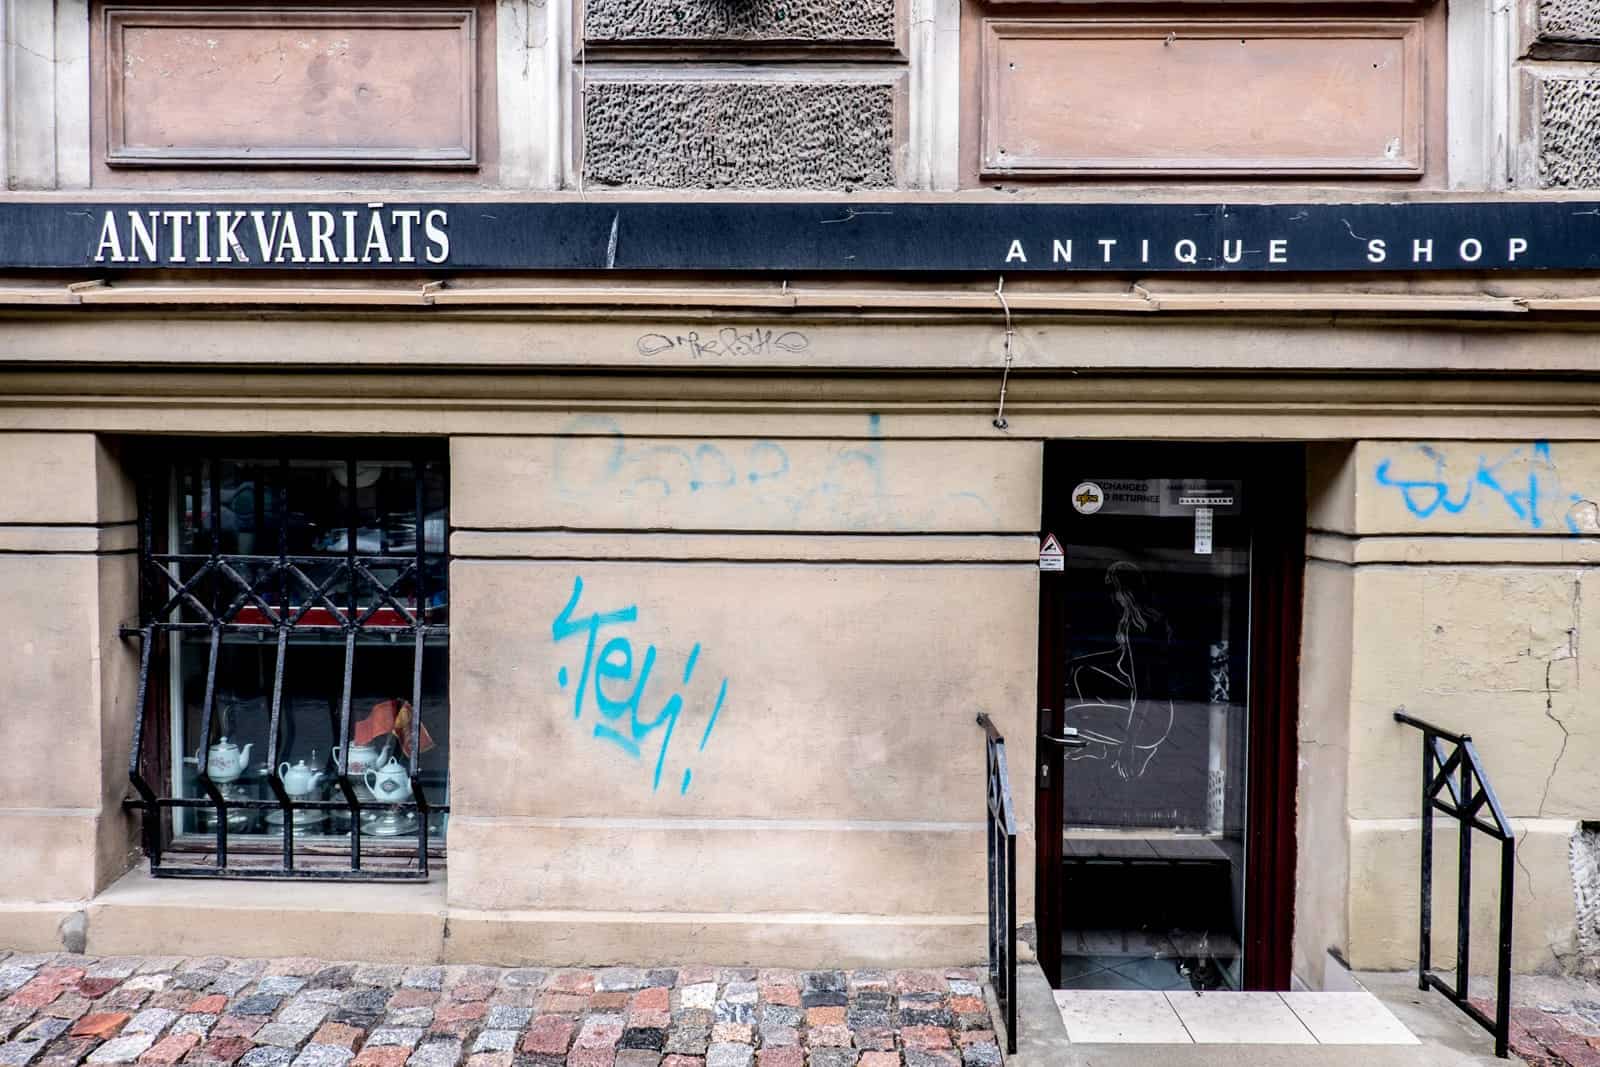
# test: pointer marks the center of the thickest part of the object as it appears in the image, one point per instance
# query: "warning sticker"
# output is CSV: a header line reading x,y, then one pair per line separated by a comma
x,y
1051,557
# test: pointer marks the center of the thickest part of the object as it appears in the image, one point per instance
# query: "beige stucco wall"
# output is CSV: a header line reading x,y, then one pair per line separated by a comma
x,y
1465,564
860,600
1322,883
67,582
865,585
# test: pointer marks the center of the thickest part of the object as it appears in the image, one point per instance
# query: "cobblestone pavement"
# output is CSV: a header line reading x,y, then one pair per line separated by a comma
x,y
1555,1022
59,1010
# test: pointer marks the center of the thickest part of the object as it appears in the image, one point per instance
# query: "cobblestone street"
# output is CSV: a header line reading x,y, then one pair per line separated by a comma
x,y
63,1010
1555,1022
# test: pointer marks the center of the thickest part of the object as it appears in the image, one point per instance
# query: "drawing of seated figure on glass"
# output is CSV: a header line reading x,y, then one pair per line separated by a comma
x,y
1120,724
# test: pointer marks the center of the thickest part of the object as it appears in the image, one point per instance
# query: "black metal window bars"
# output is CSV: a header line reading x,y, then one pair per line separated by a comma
x,y
280,600
1002,835
1458,772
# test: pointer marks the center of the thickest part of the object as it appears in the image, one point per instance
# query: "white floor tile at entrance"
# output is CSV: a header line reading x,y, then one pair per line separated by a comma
x,y
1224,1017
1348,1019
1239,1019
1120,1017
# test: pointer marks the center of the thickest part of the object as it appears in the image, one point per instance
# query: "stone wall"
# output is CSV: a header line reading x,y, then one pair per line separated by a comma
x,y
803,112
1586,887
742,21
67,582
1467,564
1568,20
694,134
1560,88
737,689
1569,132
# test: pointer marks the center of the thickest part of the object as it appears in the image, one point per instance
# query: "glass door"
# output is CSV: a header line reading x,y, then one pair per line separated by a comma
x,y
1157,571
1145,716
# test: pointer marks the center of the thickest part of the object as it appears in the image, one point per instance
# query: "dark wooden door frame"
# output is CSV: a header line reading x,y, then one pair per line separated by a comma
x,y
1274,478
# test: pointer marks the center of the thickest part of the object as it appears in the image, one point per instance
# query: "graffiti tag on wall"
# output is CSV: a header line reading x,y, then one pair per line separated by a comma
x,y
1523,482
848,484
728,341
621,715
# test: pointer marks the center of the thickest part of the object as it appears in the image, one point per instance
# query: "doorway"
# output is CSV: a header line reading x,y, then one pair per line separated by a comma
x,y
1170,597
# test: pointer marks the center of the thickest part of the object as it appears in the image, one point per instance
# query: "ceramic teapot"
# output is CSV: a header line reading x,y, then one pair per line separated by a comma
x,y
390,783
225,760
299,780
361,757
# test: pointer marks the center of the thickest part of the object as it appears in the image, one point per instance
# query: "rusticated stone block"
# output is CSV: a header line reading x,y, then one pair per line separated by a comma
x,y
1569,20
1569,133
741,21
739,135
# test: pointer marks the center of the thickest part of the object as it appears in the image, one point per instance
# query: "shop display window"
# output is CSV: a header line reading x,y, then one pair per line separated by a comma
x,y
294,689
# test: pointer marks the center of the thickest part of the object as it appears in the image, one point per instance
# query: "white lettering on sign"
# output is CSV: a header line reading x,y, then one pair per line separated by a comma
x,y
273,237
1277,251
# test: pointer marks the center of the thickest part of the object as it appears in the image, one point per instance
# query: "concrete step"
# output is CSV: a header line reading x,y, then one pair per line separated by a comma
x,y
1390,1024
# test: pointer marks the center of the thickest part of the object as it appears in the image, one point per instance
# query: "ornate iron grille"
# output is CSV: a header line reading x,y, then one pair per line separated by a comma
x,y
347,595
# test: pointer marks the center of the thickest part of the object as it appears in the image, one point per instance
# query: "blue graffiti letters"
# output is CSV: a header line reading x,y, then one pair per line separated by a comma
x,y
1524,481
617,682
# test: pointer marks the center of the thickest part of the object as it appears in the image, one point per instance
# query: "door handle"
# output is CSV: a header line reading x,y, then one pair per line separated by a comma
x,y
1071,740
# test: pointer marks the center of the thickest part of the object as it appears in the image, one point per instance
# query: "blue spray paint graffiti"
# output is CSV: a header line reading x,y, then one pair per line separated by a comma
x,y
1525,481
849,485
620,722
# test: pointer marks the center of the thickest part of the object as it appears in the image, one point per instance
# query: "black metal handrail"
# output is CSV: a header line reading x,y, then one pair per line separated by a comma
x,y
1002,834
1459,772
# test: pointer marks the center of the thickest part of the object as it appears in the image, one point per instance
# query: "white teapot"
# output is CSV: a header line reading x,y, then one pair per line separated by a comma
x,y
390,783
361,757
299,781
225,761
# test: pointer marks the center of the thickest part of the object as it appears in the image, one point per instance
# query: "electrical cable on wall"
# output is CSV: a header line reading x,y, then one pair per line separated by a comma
x,y
1000,412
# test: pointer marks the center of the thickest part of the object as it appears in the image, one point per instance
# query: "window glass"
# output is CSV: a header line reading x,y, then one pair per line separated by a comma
x,y
288,526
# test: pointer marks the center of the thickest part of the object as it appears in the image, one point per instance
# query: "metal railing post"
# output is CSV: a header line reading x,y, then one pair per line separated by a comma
x,y
1425,905
1464,883
1001,822
1470,792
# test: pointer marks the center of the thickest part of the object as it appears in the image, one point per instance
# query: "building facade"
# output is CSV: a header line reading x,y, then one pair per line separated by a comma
x,y
381,454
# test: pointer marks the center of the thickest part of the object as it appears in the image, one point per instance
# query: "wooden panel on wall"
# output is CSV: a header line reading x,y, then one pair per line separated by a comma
x,y
291,87
1079,97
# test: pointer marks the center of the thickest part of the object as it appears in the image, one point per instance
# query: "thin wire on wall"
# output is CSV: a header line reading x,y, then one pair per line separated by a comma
x,y
1005,375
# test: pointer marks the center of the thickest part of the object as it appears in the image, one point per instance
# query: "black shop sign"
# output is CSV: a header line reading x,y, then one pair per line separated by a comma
x,y
804,236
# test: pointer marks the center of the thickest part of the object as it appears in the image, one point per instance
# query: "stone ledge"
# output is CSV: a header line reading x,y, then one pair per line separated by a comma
x,y
411,922
378,921
761,939
29,926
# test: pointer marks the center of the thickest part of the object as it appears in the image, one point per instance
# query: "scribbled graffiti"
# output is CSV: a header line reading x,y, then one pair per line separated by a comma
x,y
604,680
1523,482
727,341
847,484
